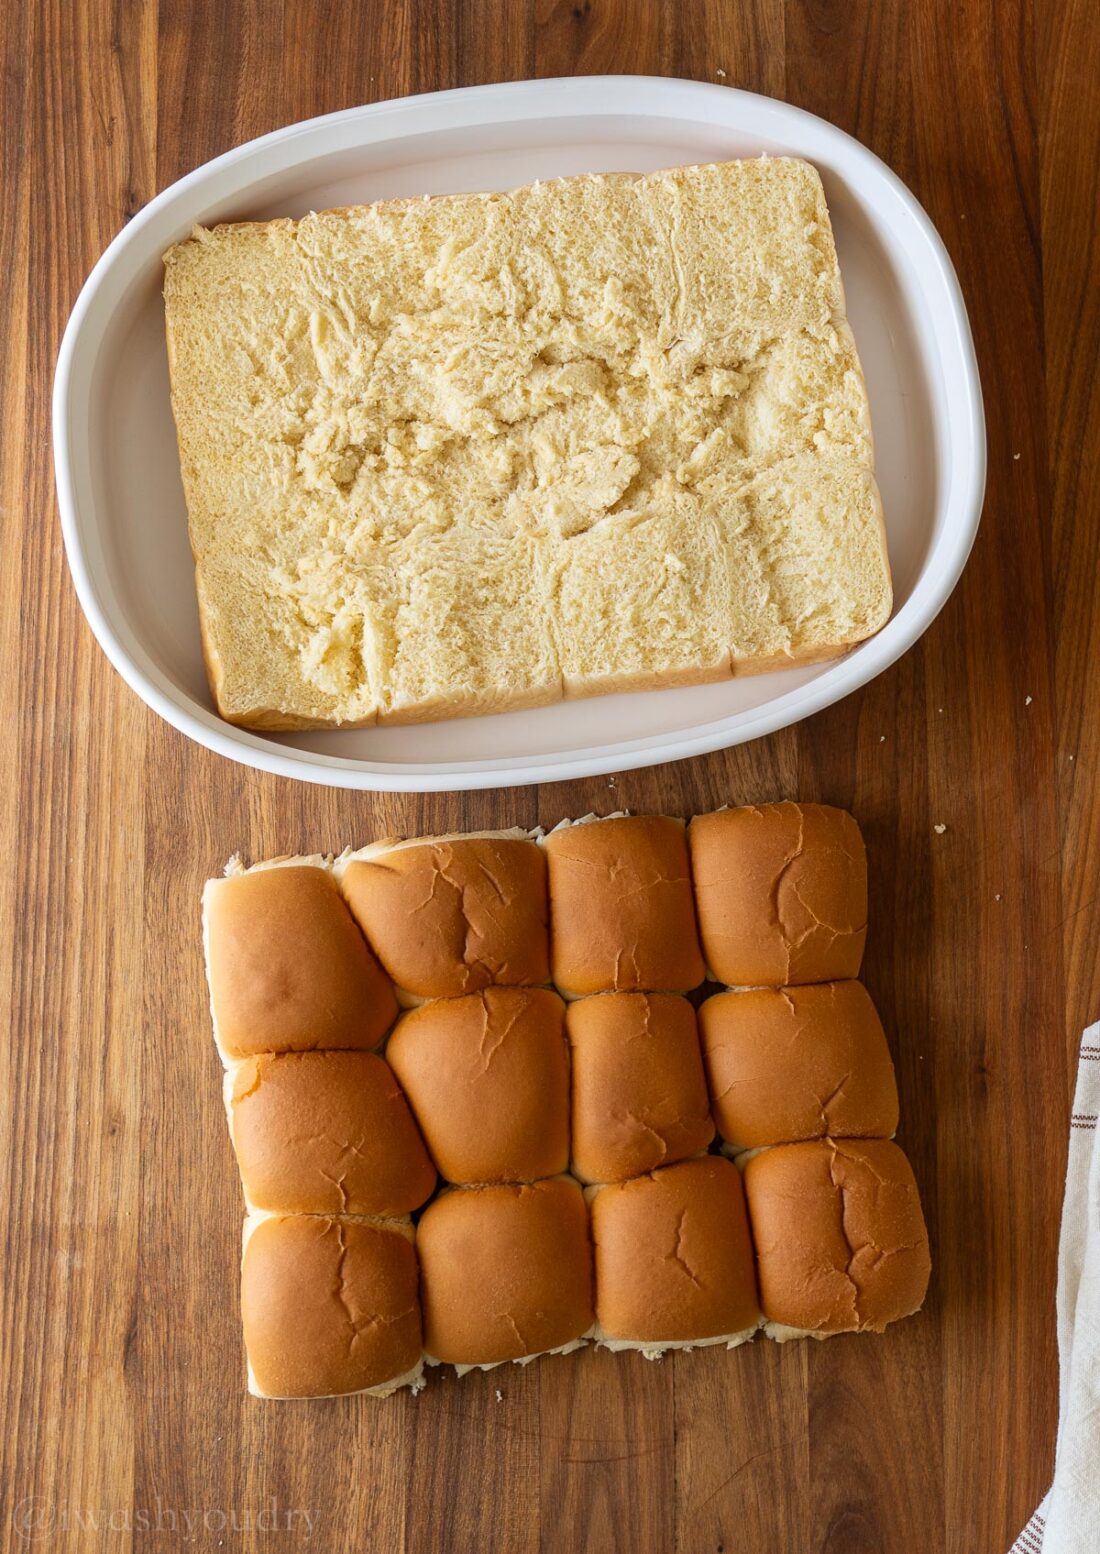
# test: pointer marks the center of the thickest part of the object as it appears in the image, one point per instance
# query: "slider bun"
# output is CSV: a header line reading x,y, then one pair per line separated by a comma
x,y
453,916
326,1133
506,1272
841,1245
329,1306
794,1063
674,1258
289,970
487,1077
638,1089
781,892
621,912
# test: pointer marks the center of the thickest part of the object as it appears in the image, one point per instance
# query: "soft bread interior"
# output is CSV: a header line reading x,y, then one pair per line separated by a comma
x,y
655,1351
783,1335
582,820
523,1359
458,455
379,849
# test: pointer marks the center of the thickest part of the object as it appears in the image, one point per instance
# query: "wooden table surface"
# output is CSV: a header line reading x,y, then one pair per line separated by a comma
x,y
127,1421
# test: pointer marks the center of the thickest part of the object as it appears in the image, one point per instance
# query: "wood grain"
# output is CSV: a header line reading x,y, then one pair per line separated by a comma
x,y
125,1421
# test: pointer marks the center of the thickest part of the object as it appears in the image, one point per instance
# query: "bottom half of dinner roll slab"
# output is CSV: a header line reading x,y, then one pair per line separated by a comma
x,y
506,1273
674,1260
329,1306
841,1244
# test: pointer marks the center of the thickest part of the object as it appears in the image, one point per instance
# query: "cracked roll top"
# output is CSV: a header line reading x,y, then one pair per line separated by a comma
x,y
453,916
622,916
639,1096
793,1063
487,1077
329,1306
326,1133
289,970
506,1272
674,1262
841,1245
781,893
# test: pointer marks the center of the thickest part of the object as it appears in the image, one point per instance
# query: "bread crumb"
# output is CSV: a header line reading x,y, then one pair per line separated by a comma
x,y
882,739
500,1396
1027,701
1015,455
939,709
721,74
996,898
939,830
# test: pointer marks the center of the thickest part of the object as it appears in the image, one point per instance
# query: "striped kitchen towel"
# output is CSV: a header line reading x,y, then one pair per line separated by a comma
x,y
1068,1521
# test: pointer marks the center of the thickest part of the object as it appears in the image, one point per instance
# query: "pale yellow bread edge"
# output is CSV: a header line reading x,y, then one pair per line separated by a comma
x,y
484,705
471,704
438,710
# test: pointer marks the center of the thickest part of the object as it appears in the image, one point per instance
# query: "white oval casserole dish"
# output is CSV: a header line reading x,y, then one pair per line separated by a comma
x,y
119,491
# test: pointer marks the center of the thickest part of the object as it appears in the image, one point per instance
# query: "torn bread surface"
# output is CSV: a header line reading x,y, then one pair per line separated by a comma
x,y
459,455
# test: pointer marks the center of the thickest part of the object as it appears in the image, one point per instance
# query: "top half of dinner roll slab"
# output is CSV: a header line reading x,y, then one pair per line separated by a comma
x,y
841,1244
781,893
621,910
454,915
794,1063
289,970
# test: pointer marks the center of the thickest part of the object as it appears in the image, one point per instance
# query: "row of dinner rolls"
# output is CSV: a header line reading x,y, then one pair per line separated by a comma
x,y
512,1084
811,1240
315,952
